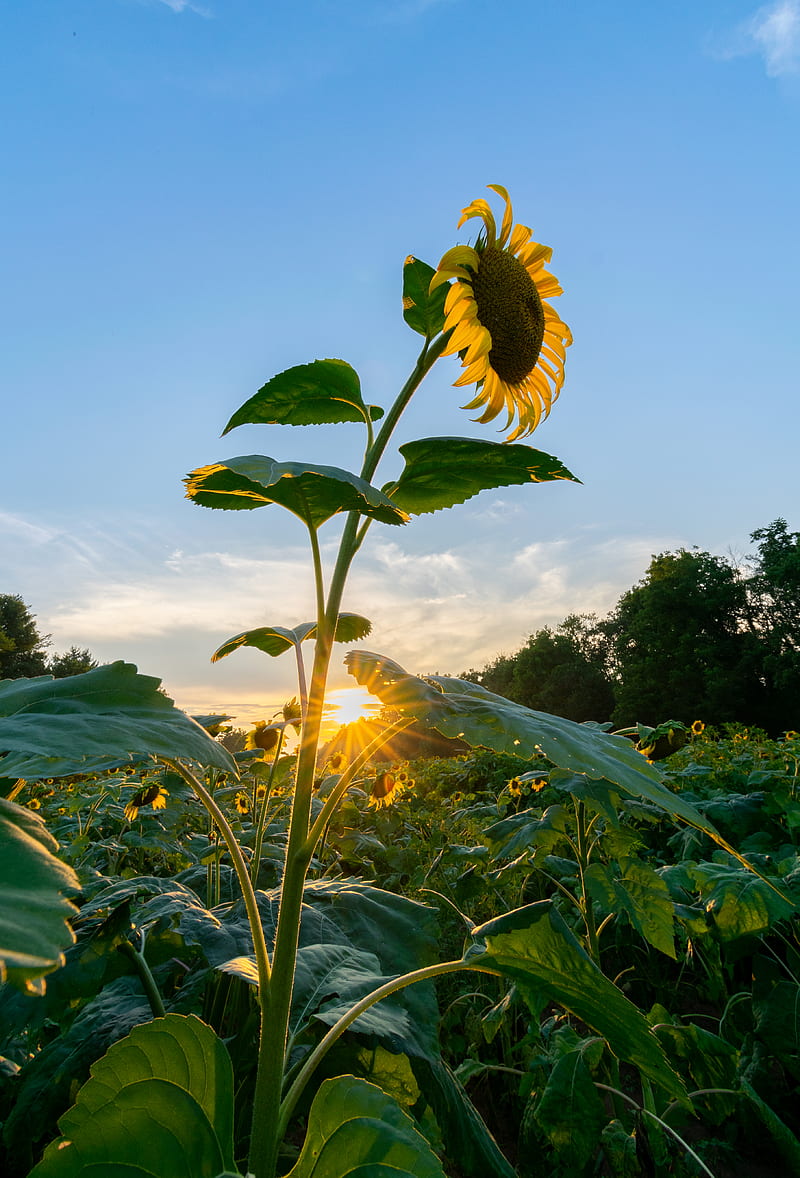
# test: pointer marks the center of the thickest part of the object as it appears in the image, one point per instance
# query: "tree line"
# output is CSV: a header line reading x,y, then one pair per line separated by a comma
x,y
24,651
700,637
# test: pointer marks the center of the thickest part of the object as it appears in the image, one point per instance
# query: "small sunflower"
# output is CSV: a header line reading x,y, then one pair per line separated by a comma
x,y
698,728
149,795
336,763
538,783
386,789
262,737
34,804
512,343
241,803
515,787
792,735
261,793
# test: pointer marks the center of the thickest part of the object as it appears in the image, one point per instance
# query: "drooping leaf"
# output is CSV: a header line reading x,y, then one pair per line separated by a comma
x,y
465,710
440,472
33,907
531,829
276,640
355,1129
313,493
319,393
423,310
467,1140
160,1102
784,1140
535,947
108,716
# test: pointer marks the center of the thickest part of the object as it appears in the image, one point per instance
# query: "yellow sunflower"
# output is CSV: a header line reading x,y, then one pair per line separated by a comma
x,y
698,728
241,803
149,795
512,343
386,789
262,737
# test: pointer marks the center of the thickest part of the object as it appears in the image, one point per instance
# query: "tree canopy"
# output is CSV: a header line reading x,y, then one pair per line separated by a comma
x,y
699,637
23,650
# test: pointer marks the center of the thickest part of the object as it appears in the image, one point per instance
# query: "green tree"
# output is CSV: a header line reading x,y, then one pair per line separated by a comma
x,y
681,646
774,616
562,671
72,662
22,647
23,650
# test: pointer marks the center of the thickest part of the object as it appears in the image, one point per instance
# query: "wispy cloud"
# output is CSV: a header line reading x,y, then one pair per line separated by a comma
x,y
186,6
773,31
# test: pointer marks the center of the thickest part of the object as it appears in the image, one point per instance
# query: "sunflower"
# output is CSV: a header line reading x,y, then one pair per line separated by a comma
x,y
337,763
512,343
698,728
515,787
149,795
386,789
241,803
262,737
34,804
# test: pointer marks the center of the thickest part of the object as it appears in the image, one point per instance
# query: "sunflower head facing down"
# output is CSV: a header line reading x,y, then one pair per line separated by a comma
x,y
512,343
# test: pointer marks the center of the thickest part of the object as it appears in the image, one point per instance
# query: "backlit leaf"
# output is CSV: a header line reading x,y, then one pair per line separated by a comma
x,y
313,493
276,640
108,716
33,909
319,393
440,472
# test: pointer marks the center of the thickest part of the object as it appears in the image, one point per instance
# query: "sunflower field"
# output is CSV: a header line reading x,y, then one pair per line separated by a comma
x,y
560,950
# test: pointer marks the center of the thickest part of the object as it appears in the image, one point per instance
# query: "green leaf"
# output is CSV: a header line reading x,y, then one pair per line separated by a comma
x,y
570,1112
440,472
640,893
511,836
33,911
468,1142
320,393
535,947
276,640
160,1102
355,1129
740,903
784,1140
102,718
423,311
460,709
313,493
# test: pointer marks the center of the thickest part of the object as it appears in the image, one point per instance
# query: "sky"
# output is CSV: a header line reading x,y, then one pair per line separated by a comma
x,y
198,194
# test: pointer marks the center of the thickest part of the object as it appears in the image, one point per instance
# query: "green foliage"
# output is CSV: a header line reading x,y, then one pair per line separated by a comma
x,y
105,717
313,493
440,472
356,1131
276,640
320,393
33,913
423,310
160,1102
22,647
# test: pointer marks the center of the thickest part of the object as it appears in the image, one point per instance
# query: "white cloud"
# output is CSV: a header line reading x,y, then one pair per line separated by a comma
x,y
187,6
773,31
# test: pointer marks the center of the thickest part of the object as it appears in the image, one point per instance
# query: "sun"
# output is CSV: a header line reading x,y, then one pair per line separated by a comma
x,y
343,705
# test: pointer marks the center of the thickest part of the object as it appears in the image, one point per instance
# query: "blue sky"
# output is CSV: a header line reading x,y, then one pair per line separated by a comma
x,y
199,195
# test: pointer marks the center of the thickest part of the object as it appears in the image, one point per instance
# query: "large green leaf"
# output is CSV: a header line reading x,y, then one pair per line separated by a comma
x,y
570,1111
313,493
355,1129
739,902
160,1102
423,309
460,709
276,640
633,887
319,393
33,910
535,947
105,717
440,472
